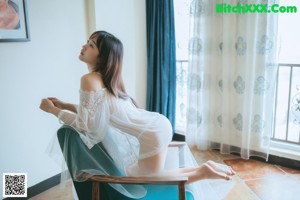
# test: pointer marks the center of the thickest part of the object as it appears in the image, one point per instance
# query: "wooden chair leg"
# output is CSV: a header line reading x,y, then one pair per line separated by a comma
x,y
96,191
181,190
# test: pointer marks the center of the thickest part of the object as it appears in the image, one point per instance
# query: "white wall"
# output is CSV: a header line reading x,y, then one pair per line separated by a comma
x,y
48,65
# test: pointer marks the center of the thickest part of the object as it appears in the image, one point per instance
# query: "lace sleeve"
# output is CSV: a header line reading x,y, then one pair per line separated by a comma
x,y
92,117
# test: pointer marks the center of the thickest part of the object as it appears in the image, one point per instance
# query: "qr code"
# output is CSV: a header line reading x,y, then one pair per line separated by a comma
x,y
14,185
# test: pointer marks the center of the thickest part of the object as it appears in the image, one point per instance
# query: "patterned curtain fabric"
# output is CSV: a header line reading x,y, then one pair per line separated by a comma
x,y
231,78
161,81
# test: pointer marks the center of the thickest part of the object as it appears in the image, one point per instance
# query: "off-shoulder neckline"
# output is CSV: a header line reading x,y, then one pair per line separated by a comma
x,y
92,92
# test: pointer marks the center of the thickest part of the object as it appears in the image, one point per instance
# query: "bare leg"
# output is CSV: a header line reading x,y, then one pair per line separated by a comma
x,y
148,166
153,166
195,174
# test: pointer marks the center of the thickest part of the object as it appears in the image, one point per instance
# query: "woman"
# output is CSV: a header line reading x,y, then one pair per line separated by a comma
x,y
105,106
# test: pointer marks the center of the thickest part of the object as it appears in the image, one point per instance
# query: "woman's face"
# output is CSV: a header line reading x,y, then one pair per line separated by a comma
x,y
89,52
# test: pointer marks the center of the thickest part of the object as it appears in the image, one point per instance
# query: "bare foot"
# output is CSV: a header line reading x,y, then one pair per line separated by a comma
x,y
207,172
221,168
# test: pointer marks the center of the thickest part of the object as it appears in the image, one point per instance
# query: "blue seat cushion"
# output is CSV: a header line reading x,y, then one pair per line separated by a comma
x,y
164,192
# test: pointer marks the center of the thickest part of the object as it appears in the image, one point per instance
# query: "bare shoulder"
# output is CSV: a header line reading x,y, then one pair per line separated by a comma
x,y
91,82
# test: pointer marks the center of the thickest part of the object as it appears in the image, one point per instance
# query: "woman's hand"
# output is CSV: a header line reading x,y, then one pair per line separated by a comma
x,y
58,103
48,106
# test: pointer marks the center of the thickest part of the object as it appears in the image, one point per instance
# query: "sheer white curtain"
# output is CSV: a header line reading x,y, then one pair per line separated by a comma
x,y
232,78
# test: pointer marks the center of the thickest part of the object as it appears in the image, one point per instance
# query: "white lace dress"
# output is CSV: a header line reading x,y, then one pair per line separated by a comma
x,y
127,134
101,117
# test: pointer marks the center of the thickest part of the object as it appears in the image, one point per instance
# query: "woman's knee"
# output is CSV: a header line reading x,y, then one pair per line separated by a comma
x,y
153,164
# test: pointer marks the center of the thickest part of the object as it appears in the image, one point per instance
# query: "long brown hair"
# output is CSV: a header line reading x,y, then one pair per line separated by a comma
x,y
110,62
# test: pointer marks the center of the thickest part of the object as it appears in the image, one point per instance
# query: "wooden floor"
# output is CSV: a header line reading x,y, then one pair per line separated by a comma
x,y
254,181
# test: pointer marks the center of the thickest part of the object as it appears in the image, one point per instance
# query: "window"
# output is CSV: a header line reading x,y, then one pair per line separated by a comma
x,y
287,108
289,34
287,119
181,12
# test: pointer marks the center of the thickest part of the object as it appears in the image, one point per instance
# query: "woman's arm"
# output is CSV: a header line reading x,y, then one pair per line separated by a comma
x,y
66,117
92,117
48,106
71,107
63,105
90,82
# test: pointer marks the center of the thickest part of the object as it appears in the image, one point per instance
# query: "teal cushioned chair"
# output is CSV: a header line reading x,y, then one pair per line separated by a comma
x,y
98,188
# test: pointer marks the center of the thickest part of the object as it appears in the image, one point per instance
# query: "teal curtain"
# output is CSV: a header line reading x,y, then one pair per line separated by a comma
x,y
161,76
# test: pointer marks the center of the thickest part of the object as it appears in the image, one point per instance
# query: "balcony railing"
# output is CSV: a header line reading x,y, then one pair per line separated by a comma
x,y
287,104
